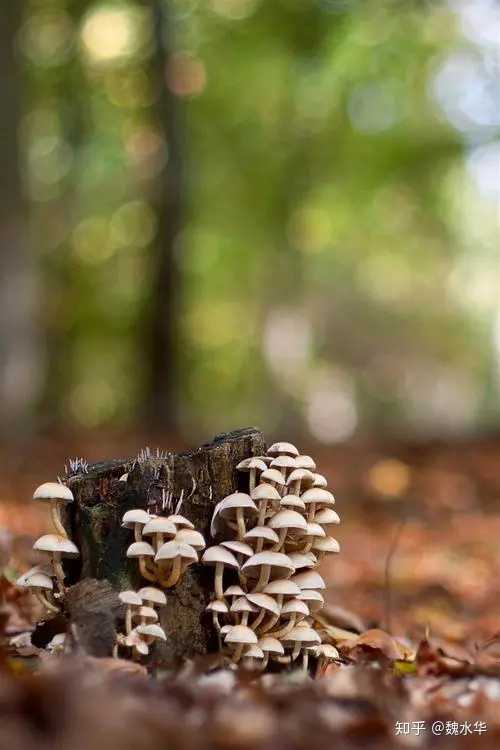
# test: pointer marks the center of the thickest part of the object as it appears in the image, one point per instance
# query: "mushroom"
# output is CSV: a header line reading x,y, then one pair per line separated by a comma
x,y
253,657
292,501
261,534
325,653
131,599
314,599
158,528
284,464
326,545
263,494
135,519
273,477
56,547
301,637
313,531
319,481
297,478
191,537
135,640
237,506
267,604
151,632
314,497
300,561
293,611
285,449
280,588
309,579
234,591
283,521
146,614
217,607
220,557
242,606
270,646
305,462
56,494
252,465
263,564
152,596
240,636
326,516
180,521
38,580
142,551
180,556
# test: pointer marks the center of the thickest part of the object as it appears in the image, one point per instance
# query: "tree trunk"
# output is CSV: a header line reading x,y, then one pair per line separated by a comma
x,y
203,477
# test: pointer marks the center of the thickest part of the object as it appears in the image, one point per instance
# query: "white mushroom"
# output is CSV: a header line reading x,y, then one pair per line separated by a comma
x,y
263,564
143,552
220,557
131,599
56,547
135,519
57,495
252,465
179,556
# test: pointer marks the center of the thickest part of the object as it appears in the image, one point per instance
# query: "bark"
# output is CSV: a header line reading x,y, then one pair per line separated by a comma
x,y
206,475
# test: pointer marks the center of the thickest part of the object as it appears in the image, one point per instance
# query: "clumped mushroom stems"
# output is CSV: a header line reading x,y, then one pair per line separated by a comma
x,y
145,606
46,581
267,547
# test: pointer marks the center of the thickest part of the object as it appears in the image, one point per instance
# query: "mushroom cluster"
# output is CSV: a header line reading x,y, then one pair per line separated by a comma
x,y
47,581
141,620
164,546
270,542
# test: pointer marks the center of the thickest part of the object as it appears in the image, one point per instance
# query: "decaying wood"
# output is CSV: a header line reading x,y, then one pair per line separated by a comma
x,y
93,608
200,478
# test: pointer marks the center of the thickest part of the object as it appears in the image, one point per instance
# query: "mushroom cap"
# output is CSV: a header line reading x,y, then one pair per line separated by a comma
x,y
240,634
191,537
36,580
148,613
300,560
299,475
328,544
218,606
252,463
267,459
295,606
254,652
320,481
262,532
219,554
285,587
153,630
136,515
239,547
235,502
309,579
288,519
22,581
152,594
282,448
302,635
130,597
180,521
56,543
318,495
171,550
265,491
159,525
273,475
140,549
314,598
53,491
279,563
314,529
225,629
292,501
271,645
283,462
305,462
242,604
135,640
234,591
325,516
327,651
264,601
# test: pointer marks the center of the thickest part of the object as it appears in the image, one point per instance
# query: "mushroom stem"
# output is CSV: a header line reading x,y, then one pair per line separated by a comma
x,y
58,570
312,512
115,651
55,513
219,572
215,620
237,654
240,520
137,532
252,478
305,660
274,618
44,602
255,624
128,619
265,573
244,619
266,660
281,542
143,569
262,517
296,651
175,574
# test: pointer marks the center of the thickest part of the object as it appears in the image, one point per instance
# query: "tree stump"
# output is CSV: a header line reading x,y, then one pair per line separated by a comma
x,y
157,482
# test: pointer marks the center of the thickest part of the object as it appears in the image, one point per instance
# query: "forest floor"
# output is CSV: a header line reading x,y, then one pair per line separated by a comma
x,y
413,605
